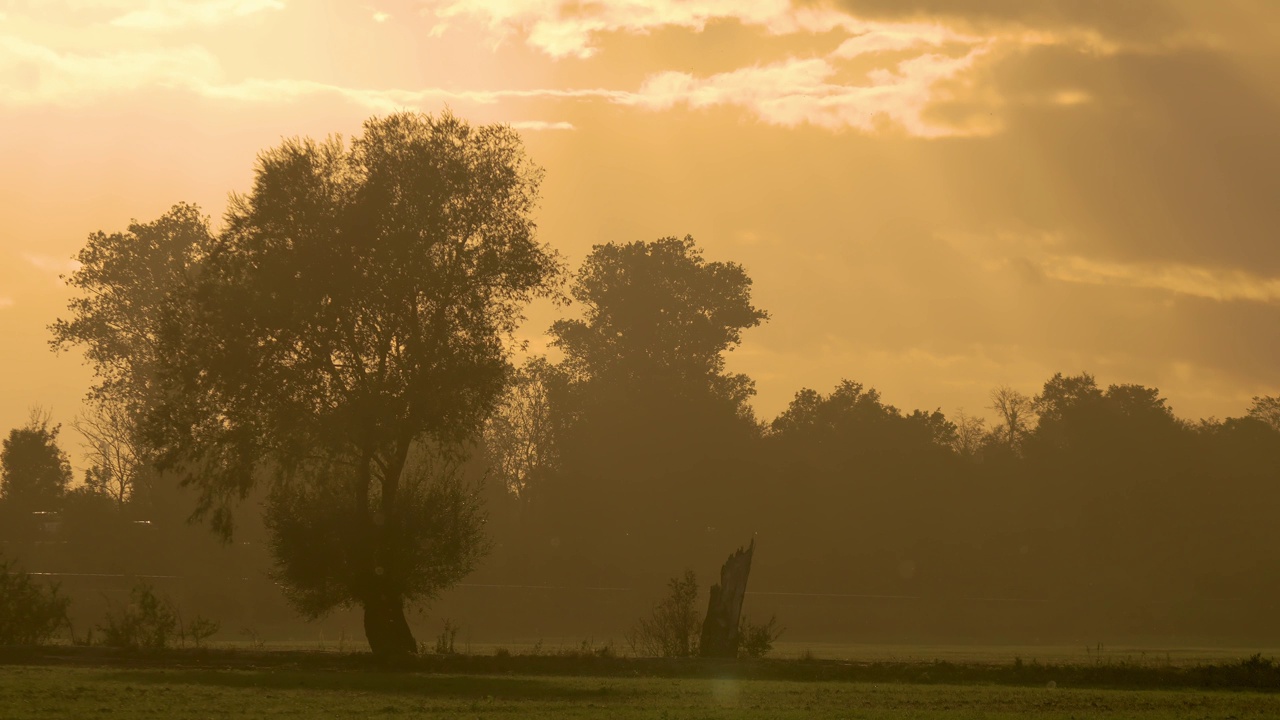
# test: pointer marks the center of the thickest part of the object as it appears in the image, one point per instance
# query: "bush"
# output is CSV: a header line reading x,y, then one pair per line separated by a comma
x,y
200,629
149,621
755,641
31,613
444,641
674,626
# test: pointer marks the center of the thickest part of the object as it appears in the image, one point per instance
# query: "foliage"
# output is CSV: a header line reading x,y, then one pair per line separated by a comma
x,y
971,434
674,625
520,436
357,304
132,285
148,622
755,640
200,629
658,311
34,471
30,613
1014,411
444,641
116,453
320,551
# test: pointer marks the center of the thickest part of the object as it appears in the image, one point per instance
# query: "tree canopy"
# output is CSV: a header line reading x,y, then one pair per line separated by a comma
x,y
355,309
34,471
658,312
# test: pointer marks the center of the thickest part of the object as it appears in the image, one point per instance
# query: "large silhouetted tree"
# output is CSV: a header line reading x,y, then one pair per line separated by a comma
x,y
34,471
652,431
659,313
344,335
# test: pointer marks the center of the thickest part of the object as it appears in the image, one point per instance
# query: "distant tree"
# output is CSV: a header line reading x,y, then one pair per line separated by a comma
x,y
1138,402
34,470
971,434
354,310
1064,394
1266,409
659,313
1015,411
132,285
118,458
520,437
648,419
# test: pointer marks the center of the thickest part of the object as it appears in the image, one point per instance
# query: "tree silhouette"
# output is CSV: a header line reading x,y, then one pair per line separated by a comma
x,y
352,313
34,471
658,312
1015,411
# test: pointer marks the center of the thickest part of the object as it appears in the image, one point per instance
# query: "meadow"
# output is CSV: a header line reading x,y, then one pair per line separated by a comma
x,y
94,682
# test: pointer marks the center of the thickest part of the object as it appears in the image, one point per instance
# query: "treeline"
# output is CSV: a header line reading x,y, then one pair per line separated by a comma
x,y
328,382
1083,511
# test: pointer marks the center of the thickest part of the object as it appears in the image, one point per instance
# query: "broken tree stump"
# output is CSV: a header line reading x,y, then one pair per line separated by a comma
x,y
724,610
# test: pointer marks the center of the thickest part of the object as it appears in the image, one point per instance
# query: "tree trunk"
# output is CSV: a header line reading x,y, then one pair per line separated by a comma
x,y
724,610
385,626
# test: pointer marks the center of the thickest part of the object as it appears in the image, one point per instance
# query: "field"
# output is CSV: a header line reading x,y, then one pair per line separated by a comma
x,y
78,682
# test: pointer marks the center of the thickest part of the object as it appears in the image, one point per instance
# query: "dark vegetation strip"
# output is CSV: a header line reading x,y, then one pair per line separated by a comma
x,y
1254,673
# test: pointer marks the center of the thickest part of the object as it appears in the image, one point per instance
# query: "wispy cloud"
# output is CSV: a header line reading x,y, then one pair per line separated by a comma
x,y
32,74
1211,283
1048,256
541,125
168,14
568,28
787,93
49,263
804,91
5,302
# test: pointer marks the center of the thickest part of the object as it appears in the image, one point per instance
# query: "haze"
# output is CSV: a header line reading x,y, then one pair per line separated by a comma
x,y
934,198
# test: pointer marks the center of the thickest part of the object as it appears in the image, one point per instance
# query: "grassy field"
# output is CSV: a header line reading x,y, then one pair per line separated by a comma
x,y
75,683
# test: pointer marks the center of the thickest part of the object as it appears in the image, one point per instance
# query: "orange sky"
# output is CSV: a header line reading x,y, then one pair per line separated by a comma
x,y
933,197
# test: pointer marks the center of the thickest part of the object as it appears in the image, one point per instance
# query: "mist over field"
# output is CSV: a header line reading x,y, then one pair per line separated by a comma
x,y
834,342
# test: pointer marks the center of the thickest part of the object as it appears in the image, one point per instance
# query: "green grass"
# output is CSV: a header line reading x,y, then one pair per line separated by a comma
x,y
136,687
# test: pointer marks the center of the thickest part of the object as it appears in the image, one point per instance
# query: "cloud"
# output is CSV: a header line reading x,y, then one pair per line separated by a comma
x,y
1035,258
541,125
567,28
1202,282
169,14
48,263
788,93
32,74
5,302
803,91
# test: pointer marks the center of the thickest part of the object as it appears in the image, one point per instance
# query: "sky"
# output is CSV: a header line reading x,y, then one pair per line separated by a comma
x,y
933,197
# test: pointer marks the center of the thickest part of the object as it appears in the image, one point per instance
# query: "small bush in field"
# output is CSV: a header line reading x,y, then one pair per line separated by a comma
x,y
674,625
149,622
444,641
30,613
756,640
201,629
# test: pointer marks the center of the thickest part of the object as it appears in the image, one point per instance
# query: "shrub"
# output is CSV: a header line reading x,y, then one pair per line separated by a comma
x,y
30,613
444,641
674,625
149,621
200,629
756,640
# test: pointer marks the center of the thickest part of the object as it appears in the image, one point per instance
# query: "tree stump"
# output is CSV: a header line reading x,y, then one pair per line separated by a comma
x,y
720,628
